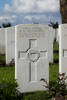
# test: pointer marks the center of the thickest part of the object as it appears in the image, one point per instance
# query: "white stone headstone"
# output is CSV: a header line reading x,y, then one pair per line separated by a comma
x,y
9,48
31,57
10,44
63,48
51,40
2,41
57,36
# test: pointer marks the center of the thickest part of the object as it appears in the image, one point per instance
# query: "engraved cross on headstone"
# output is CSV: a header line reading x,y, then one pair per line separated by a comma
x,y
32,55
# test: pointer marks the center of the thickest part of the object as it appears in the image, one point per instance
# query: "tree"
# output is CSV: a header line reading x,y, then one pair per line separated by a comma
x,y
54,25
4,25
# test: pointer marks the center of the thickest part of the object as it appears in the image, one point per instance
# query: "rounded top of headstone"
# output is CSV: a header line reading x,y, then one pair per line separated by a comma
x,y
41,25
63,25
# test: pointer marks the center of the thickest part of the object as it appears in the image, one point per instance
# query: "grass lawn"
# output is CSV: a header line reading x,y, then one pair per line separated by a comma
x,y
7,73
53,72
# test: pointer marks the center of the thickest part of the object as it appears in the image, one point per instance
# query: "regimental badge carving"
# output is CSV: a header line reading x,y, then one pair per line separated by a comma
x,y
33,55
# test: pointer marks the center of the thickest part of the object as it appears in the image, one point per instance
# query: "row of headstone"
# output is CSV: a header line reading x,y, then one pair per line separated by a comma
x,y
32,48
7,42
32,55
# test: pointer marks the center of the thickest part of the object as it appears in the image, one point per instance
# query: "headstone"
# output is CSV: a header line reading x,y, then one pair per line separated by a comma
x,y
2,41
57,36
51,40
10,44
63,48
31,57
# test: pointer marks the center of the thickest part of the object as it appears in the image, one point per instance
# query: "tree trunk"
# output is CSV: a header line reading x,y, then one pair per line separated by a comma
x,y
63,10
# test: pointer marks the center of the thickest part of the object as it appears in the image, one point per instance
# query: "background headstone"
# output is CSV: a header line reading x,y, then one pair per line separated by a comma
x,y
51,40
2,41
10,44
57,36
31,56
63,48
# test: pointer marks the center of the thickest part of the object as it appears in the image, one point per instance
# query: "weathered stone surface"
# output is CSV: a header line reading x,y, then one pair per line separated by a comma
x,y
63,10
51,40
31,56
10,44
63,49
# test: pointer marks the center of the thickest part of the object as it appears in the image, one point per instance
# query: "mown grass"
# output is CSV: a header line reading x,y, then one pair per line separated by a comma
x,y
53,71
2,57
55,47
7,73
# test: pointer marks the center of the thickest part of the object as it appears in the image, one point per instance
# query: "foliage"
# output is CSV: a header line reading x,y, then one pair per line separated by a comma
x,y
54,25
2,60
12,63
8,90
53,72
5,25
7,73
56,87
